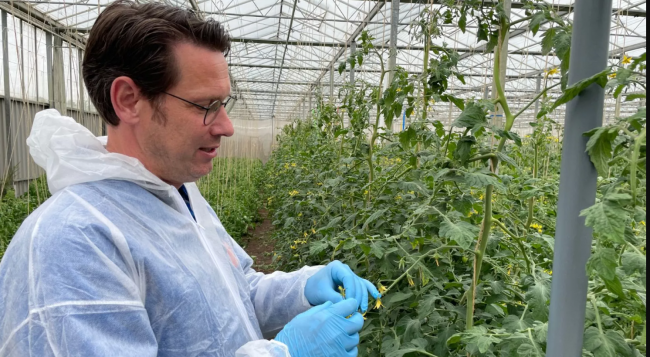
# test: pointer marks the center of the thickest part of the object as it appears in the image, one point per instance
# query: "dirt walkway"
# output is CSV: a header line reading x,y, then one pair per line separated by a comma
x,y
259,244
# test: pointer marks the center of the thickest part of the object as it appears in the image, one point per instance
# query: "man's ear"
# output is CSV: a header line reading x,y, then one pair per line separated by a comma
x,y
125,95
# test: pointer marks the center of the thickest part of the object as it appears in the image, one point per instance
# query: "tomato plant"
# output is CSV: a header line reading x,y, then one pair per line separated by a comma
x,y
458,231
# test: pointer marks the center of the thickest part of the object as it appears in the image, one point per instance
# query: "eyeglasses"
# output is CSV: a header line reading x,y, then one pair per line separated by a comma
x,y
211,110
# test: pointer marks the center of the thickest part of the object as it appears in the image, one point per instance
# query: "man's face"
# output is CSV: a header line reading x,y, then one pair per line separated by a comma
x,y
178,147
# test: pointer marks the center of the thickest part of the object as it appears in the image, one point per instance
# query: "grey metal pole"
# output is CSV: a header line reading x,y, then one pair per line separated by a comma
x,y
537,91
353,49
50,74
82,94
7,137
332,85
578,181
394,26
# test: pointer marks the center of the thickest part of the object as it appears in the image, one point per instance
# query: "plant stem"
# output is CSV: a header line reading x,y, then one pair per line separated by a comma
x,y
598,318
375,129
480,253
483,157
414,265
634,164
535,100
520,244
531,202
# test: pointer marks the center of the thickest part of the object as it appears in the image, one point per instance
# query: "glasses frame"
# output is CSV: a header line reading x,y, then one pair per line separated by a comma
x,y
207,109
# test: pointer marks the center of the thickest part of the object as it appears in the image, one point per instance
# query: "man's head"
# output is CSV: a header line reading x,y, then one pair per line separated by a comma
x,y
142,65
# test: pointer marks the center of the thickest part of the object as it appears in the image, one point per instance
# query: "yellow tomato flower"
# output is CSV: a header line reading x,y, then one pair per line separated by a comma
x,y
293,165
627,59
300,214
365,193
612,76
382,289
294,247
293,193
412,193
313,231
398,197
306,234
378,304
399,90
411,282
643,223
342,291
552,71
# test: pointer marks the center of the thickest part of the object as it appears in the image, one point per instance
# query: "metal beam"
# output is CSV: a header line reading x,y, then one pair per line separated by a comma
x,y
521,5
578,182
286,46
7,138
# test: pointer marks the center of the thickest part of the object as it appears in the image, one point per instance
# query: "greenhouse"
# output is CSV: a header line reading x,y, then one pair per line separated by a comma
x,y
478,166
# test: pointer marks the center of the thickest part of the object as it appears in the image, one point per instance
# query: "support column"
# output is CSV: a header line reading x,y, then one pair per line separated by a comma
x,y
50,76
578,181
332,84
537,91
58,77
6,140
82,94
38,101
353,49
394,26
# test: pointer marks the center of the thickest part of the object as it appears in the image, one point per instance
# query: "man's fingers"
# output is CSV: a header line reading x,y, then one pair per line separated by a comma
x,y
351,342
317,309
372,289
345,308
329,294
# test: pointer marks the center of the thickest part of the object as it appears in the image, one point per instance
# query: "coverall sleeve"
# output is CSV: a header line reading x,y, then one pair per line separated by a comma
x,y
86,296
277,297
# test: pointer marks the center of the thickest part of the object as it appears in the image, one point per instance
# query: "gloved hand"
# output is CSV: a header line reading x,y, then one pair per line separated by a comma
x,y
324,331
323,286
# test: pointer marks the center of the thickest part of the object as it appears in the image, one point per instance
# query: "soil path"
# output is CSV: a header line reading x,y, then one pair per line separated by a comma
x,y
260,245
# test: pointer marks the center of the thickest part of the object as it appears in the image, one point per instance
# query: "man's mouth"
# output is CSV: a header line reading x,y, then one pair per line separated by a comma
x,y
209,150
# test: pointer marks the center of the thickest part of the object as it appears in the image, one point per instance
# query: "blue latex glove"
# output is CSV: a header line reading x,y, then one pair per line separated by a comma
x,y
323,286
324,331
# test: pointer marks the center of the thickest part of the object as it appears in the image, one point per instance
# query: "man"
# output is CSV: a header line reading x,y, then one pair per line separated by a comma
x,y
127,258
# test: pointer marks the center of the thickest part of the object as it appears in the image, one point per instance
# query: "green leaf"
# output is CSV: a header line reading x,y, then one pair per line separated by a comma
x,y
507,159
536,22
634,262
633,97
399,297
599,148
608,218
604,261
464,148
528,350
459,103
342,67
412,328
480,180
478,339
463,233
538,297
576,89
513,323
374,217
548,41
472,116
317,247
462,22
609,344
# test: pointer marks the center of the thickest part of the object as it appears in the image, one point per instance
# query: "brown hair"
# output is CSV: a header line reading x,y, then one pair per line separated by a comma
x,y
134,40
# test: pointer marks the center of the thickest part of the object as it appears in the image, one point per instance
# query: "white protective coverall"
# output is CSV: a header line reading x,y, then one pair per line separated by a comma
x,y
113,264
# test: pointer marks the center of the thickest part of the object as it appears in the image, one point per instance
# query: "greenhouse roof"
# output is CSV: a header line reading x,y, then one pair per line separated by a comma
x,y
283,50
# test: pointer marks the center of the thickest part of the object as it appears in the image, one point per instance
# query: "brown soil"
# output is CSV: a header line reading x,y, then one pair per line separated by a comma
x,y
259,244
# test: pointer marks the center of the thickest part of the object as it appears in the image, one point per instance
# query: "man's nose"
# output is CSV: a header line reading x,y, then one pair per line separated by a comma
x,y
222,126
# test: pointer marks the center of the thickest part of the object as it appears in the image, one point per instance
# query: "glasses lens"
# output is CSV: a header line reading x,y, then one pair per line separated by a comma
x,y
213,111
